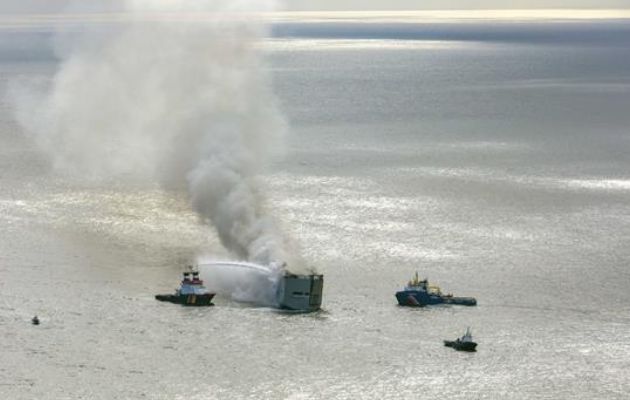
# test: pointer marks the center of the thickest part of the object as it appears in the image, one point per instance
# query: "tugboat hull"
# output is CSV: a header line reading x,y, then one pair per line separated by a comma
x,y
417,298
193,300
461,346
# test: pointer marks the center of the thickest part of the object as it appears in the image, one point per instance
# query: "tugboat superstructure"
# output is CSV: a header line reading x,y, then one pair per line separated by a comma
x,y
191,292
420,293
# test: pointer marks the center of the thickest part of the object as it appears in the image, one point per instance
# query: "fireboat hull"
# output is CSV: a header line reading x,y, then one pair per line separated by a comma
x,y
417,298
191,300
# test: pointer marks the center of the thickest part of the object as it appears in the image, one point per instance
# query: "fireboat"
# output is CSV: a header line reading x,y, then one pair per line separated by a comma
x,y
191,292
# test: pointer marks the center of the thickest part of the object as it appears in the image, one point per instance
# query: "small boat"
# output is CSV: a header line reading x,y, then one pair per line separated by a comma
x,y
191,292
419,293
35,320
464,343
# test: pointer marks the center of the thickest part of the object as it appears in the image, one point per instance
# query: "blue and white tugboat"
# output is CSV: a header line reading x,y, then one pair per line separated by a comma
x,y
191,292
464,343
420,293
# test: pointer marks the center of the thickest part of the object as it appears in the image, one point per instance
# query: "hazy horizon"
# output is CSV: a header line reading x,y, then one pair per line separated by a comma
x,y
56,6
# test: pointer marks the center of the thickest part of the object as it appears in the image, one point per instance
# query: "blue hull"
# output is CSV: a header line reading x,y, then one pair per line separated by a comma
x,y
417,298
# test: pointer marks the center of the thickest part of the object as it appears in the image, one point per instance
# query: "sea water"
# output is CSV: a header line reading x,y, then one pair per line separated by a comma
x,y
492,158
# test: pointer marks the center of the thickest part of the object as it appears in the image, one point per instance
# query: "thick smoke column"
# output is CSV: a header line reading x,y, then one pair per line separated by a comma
x,y
175,92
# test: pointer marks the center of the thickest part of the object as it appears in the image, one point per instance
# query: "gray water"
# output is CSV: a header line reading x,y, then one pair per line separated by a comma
x,y
496,167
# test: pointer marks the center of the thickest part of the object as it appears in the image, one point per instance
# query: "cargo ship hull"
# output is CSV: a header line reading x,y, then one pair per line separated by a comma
x,y
300,293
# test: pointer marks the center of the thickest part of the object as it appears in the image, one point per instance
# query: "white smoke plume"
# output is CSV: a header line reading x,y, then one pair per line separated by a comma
x,y
176,92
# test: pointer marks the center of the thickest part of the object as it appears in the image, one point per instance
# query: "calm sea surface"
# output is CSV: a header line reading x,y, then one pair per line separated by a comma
x,y
497,166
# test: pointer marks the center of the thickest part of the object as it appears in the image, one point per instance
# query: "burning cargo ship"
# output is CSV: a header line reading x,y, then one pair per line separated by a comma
x,y
300,292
